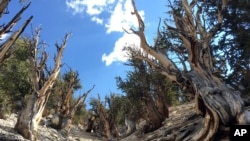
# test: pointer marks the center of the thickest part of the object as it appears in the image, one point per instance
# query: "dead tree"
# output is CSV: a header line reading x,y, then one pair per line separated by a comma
x,y
215,101
6,29
43,80
66,110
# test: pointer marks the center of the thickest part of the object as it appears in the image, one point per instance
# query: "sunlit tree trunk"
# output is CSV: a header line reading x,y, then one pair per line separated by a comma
x,y
43,81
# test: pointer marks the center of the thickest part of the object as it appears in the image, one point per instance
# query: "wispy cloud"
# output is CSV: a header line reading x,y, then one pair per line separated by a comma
x,y
120,18
97,20
91,7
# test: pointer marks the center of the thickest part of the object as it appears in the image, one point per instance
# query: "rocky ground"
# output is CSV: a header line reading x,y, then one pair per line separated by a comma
x,y
7,133
180,117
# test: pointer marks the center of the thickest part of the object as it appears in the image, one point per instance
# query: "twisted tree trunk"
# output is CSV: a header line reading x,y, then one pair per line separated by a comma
x,y
215,101
30,117
155,115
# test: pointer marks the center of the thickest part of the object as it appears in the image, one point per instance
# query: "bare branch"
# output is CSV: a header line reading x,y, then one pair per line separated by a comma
x,y
166,62
57,65
13,21
83,96
3,6
11,40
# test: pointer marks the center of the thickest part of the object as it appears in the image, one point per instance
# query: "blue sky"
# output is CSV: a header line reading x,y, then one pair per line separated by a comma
x,y
95,46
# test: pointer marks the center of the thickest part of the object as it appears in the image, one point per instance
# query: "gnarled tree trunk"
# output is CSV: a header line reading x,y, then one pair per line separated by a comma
x,y
30,117
215,101
155,116
157,110
67,114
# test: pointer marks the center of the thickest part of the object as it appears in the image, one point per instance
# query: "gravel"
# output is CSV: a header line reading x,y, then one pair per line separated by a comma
x,y
7,133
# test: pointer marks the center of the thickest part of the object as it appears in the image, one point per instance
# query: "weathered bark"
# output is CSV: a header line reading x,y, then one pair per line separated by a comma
x,y
154,115
131,127
107,120
4,48
219,104
3,6
66,115
42,84
155,106
102,113
161,105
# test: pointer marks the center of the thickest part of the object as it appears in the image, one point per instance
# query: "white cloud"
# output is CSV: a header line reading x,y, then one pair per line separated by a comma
x,y
91,7
97,20
4,37
118,54
120,17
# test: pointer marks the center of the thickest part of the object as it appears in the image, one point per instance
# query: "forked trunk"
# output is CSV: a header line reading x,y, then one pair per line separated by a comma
x,y
30,117
67,114
43,81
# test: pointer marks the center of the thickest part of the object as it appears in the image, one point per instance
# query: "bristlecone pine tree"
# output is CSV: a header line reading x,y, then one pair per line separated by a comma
x,y
219,104
43,80
6,28
67,109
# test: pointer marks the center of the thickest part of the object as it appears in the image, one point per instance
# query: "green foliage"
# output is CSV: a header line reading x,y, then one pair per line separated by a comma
x,y
14,79
231,44
80,115
144,81
61,88
72,75
93,104
119,106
